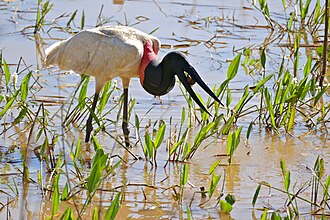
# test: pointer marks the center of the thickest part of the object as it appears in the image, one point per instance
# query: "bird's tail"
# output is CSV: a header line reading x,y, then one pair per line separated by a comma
x,y
52,54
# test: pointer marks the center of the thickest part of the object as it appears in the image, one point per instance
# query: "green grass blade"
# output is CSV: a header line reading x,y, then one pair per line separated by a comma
x,y
286,175
94,179
264,215
255,196
243,100
55,195
184,175
183,115
214,166
291,119
293,15
214,182
25,86
263,58
95,214
71,18
160,136
21,115
65,192
106,93
233,67
82,22
67,215
284,4
149,145
326,189
6,71
317,97
188,210
249,130
229,97
262,82
153,31
113,208
77,151
7,106
83,92
226,128
270,108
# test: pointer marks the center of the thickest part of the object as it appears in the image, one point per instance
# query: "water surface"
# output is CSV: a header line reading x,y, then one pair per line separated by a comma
x,y
180,25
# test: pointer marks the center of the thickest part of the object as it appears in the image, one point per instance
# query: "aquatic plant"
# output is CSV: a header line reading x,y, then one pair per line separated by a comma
x,y
42,10
152,140
295,198
283,92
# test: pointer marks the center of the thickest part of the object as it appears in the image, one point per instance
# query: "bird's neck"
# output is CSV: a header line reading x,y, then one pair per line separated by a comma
x,y
148,56
158,77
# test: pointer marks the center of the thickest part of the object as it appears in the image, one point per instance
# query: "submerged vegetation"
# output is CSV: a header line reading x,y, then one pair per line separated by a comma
x,y
285,92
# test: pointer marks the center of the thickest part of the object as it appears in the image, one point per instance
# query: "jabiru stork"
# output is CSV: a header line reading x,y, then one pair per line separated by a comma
x,y
125,52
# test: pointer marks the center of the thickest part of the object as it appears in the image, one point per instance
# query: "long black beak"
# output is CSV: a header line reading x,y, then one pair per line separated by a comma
x,y
194,75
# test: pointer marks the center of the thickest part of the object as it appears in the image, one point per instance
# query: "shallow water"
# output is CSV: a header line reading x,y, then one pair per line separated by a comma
x,y
178,24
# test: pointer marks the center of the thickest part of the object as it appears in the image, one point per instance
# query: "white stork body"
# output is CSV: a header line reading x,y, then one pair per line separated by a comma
x,y
105,53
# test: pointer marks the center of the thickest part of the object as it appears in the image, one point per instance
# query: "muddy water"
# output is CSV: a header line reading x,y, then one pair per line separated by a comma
x,y
147,195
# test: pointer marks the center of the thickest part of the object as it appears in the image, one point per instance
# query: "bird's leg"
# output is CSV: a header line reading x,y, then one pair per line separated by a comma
x,y
125,118
89,126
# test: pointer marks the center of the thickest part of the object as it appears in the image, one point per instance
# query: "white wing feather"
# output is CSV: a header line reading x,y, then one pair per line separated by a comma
x,y
104,53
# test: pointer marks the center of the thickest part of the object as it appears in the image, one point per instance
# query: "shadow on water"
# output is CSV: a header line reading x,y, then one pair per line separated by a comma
x,y
210,34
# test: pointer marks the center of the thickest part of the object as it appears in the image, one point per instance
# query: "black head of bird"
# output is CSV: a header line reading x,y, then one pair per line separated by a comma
x,y
158,77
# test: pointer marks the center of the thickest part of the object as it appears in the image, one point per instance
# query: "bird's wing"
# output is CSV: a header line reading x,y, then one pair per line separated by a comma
x,y
101,54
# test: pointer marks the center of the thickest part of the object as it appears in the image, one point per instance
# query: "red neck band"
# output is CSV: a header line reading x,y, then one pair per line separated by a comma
x,y
148,56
